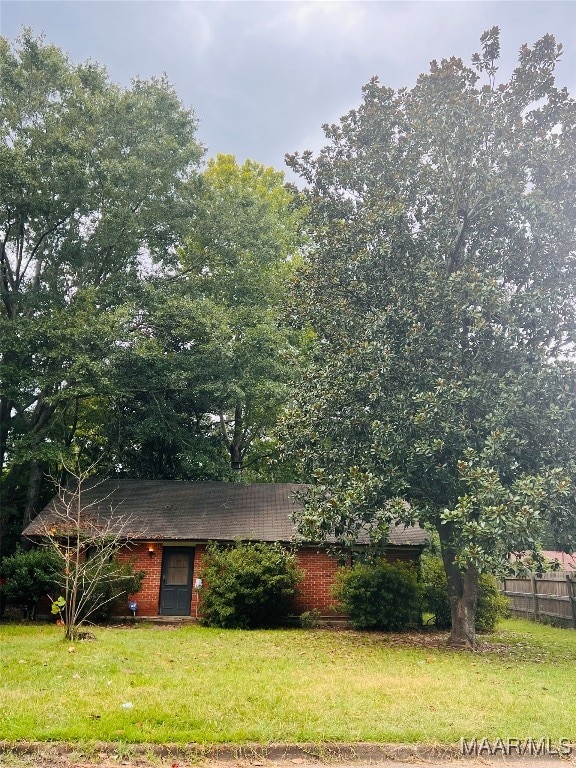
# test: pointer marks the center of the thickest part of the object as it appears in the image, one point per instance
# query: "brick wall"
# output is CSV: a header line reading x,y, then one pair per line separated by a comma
x,y
197,595
149,595
314,591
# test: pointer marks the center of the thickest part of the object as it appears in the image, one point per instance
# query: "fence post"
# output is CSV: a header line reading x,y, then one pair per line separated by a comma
x,y
570,586
535,596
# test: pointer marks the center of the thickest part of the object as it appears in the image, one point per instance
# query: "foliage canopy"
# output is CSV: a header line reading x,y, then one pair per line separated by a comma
x,y
95,187
238,257
441,292
139,298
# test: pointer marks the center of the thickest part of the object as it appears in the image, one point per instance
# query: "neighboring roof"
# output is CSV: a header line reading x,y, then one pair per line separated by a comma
x,y
180,511
567,561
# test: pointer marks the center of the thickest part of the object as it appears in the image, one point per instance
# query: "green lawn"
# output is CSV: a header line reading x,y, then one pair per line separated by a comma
x,y
193,684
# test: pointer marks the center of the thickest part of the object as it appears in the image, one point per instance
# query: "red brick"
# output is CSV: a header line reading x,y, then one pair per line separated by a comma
x,y
314,592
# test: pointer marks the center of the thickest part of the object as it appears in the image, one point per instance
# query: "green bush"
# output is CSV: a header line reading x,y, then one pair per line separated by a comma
x,y
30,575
380,596
435,591
247,585
492,604
310,619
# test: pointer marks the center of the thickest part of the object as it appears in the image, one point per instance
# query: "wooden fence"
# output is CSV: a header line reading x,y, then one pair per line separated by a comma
x,y
551,597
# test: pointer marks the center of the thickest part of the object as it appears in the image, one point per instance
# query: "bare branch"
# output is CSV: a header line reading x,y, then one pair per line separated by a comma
x,y
86,540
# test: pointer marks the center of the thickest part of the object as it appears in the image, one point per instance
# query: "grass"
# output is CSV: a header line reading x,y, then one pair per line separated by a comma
x,y
194,684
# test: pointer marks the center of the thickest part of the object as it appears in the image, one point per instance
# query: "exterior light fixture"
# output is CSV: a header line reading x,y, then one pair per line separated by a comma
x,y
151,550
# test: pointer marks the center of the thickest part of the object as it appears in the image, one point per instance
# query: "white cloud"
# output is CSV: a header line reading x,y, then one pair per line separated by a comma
x,y
393,31
332,17
192,26
323,25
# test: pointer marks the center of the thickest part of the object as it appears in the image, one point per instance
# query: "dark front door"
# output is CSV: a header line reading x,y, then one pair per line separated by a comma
x,y
176,589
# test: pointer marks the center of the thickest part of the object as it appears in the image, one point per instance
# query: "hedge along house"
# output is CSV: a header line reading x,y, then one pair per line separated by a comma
x,y
169,523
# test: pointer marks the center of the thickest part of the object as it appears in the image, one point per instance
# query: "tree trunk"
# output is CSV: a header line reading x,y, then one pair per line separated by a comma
x,y
463,602
34,489
5,423
236,444
8,505
463,594
236,457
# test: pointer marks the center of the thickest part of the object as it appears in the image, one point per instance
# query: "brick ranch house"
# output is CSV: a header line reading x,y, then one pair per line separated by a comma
x,y
169,523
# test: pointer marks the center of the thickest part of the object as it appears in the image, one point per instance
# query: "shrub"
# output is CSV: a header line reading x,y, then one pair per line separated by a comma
x,y
30,575
492,604
435,591
310,619
247,585
380,596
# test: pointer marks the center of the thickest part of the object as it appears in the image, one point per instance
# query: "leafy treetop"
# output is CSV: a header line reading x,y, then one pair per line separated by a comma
x,y
441,292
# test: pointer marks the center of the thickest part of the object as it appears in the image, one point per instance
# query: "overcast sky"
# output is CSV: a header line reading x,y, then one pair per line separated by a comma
x,y
262,77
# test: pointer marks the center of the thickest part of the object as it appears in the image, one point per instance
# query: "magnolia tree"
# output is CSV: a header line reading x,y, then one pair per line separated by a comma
x,y
441,296
86,541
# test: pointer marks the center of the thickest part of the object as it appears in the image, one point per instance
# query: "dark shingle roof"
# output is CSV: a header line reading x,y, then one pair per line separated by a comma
x,y
175,510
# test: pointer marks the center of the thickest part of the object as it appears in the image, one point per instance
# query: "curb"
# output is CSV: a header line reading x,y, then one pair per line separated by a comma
x,y
330,752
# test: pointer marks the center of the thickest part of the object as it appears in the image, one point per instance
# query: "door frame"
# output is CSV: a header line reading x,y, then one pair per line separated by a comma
x,y
190,551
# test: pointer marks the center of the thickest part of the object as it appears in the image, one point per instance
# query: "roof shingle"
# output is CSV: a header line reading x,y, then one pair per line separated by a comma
x,y
180,511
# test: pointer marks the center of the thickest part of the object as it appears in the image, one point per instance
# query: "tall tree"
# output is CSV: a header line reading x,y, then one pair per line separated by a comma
x,y
167,385
238,259
94,188
441,291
